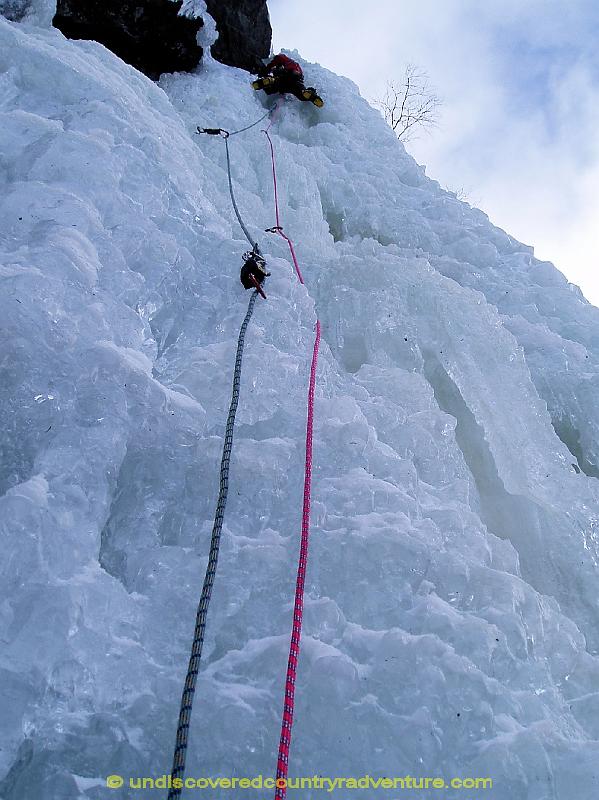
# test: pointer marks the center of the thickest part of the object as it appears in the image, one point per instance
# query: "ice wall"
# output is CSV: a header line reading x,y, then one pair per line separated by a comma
x,y
451,612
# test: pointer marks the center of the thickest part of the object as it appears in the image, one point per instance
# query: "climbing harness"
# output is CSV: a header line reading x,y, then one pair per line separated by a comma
x,y
253,274
202,612
298,606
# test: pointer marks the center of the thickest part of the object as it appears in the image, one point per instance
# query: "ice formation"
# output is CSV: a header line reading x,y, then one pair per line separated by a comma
x,y
451,625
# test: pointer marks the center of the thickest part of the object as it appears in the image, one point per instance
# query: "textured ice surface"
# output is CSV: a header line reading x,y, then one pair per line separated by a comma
x,y
451,612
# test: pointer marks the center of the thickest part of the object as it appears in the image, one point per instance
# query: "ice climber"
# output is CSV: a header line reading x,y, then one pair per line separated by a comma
x,y
284,75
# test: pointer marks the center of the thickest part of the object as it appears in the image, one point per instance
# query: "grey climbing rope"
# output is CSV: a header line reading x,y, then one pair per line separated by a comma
x,y
237,214
257,122
226,134
178,769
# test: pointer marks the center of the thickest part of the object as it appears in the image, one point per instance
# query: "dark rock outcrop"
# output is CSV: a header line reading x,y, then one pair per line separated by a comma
x,y
244,32
148,34
151,36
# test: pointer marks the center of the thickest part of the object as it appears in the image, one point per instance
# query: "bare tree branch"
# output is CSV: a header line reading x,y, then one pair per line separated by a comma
x,y
411,105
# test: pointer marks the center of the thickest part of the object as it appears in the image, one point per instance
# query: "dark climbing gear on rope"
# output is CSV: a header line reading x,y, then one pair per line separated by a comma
x,y
213,131
253,271
202,612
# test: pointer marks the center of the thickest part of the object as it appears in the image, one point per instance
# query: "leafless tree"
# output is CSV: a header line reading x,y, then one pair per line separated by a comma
x,y
411,105
460,193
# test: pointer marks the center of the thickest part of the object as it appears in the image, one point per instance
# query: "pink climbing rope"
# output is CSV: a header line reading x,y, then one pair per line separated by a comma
x,y
298,606
278,228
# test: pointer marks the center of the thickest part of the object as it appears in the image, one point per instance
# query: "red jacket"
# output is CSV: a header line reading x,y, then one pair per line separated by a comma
x,y
288,64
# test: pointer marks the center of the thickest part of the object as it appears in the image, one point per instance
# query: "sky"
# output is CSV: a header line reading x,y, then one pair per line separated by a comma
x,y
518,134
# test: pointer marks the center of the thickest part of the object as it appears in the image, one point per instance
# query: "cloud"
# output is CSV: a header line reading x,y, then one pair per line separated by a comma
x,y
520,83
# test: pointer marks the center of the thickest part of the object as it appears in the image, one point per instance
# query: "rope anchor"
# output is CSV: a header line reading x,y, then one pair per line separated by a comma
x,y
214,132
